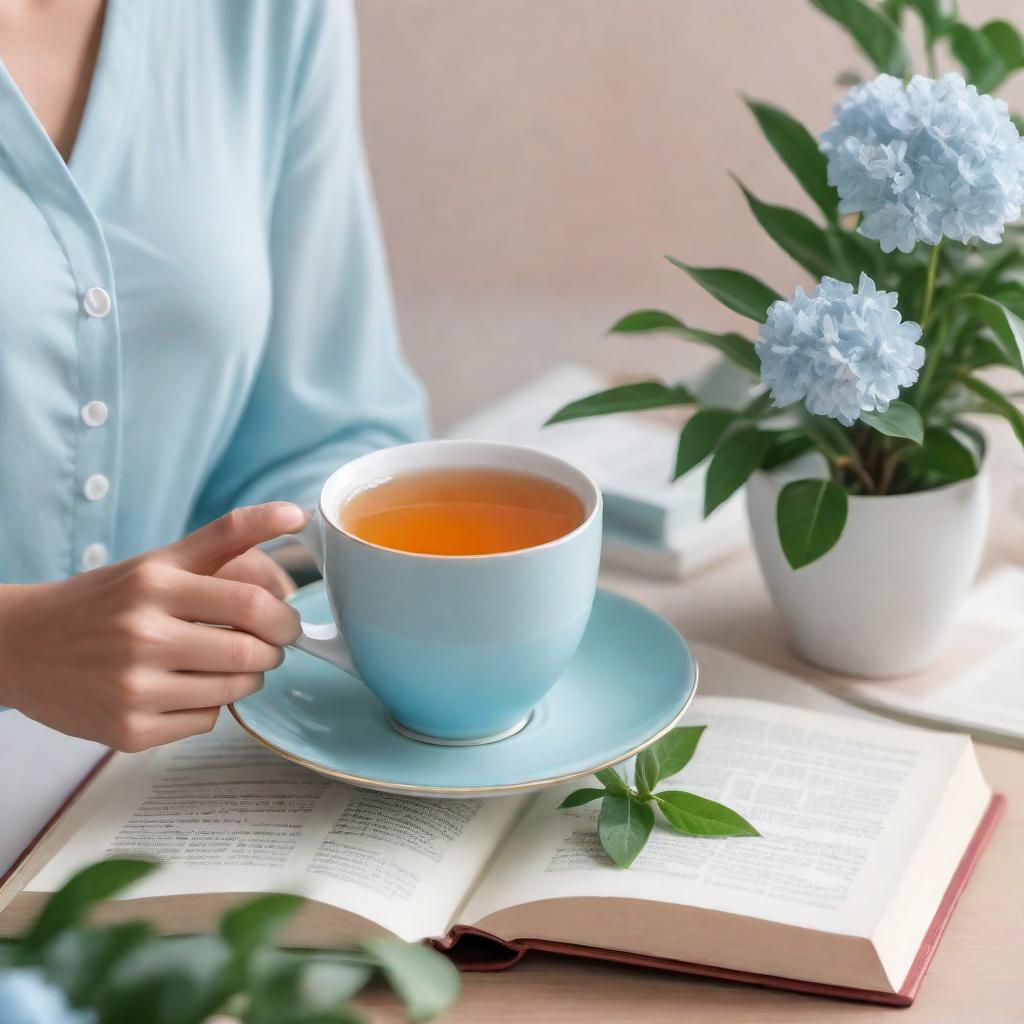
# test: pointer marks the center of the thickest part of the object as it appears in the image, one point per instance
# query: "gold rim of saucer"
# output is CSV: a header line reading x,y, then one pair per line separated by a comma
x,y
364,782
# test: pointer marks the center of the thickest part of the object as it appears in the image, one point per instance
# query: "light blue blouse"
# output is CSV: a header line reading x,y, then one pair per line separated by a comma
x,y
195,312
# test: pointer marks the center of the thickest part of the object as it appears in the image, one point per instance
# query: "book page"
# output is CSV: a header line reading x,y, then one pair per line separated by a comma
x,y
841,804
224,814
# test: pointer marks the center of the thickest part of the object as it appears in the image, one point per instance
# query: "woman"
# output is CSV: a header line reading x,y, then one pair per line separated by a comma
x,y
194,317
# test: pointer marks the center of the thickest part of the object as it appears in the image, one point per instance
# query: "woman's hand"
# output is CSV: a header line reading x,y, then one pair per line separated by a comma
x,y
130,654
256,566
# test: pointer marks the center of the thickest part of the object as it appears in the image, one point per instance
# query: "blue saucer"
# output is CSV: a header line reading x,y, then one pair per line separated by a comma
x,y
630,681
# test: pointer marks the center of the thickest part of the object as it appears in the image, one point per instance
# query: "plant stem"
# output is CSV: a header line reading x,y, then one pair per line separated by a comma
x,y
931,361
889,467
929,287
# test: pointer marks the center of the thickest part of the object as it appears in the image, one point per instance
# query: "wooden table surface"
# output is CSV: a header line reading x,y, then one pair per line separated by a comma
x,y
977,975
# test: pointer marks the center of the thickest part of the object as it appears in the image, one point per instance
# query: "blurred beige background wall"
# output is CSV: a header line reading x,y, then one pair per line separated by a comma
x,y
534,159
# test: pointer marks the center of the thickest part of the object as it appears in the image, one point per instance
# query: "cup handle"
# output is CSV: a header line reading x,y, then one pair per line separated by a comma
x,y
321,639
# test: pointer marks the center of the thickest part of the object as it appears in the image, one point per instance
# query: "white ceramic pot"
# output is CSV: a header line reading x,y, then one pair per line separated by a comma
x,y
881,601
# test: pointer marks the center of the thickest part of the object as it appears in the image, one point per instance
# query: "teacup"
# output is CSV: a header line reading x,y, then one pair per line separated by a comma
x,y
458,648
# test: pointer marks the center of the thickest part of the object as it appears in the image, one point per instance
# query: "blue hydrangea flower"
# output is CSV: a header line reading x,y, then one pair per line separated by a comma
x,y
841,351
26,997
924,161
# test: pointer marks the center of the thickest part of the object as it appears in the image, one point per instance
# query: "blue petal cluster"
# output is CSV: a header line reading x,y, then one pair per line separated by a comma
x,y
924,161
841,351
26,997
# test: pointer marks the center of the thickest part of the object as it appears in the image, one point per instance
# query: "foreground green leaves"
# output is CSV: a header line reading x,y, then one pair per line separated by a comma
x,y
127,973
626,818
873,31
901,419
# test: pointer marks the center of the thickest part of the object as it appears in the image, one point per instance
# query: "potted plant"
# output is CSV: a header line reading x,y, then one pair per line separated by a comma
x,y
868,497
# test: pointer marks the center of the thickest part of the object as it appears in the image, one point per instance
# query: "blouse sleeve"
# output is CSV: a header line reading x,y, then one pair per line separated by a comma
x,y
332,384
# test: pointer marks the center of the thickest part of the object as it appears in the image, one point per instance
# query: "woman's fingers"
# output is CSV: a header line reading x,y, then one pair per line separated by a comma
x,y
258,567
245,606
184,691
198,648
147,731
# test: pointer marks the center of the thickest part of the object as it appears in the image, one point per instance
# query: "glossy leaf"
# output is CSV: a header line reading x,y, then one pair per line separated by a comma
x,y
948,456
80,893
255,923
937,16
295,988
623,827
1006,326
699,436
424,980
650,394
612,781
798,150
582,796
735,289
798,236
79,960
810,515
996,403
178,981
671,754
697,816
786,446
979,57
734,347
901,419
733,462
873,31
1007,43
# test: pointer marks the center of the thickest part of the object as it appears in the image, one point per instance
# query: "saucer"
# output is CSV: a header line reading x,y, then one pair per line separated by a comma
x,y
629,682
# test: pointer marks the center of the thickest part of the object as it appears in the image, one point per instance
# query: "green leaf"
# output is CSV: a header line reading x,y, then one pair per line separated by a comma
x,y
1007,43
697,816
672,753
623,827
786,446
297,988
646,774
979,57
735,459
612,781
176,981
998,404
649,394
733,346
798,236
810,515
946,455
582,796
873,31
255,923
901,419
798,150
736,290
937,16
423,979
699,436
79,960
79,894
1006,326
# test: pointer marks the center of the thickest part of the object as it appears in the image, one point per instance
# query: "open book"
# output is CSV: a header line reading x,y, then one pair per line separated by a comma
x,y
870,830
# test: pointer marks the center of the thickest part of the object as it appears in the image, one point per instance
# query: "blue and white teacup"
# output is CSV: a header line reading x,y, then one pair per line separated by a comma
x,y
458,648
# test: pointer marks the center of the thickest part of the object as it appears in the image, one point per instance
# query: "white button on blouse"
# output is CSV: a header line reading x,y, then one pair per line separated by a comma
x,y
94,555
96,487
94,414
96,302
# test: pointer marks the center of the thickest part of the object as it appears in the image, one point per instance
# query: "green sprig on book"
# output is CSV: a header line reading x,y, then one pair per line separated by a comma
x,y
627,812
